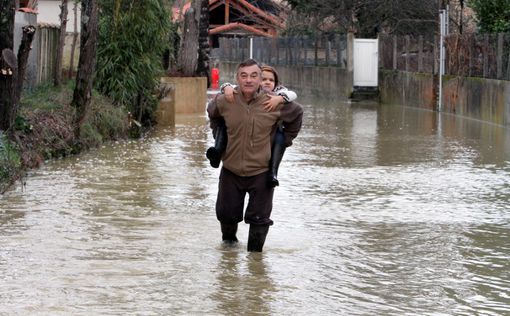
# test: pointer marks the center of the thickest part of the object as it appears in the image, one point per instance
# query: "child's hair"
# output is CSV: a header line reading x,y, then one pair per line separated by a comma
x,y
271,69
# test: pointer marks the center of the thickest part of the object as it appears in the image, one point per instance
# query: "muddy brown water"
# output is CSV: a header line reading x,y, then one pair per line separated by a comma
x,y
382,210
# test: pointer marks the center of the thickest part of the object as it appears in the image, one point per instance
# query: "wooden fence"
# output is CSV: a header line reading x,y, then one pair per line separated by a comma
x,y
467,55
47,41
317,51
408,53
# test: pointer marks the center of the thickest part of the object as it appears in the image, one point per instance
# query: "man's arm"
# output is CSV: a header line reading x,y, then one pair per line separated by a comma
x,y
292,117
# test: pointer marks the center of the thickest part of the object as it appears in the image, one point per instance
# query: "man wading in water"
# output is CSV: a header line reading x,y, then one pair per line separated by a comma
x,y
247,154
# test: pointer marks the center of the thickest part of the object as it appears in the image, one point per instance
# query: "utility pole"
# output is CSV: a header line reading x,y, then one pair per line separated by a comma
x,y
437,81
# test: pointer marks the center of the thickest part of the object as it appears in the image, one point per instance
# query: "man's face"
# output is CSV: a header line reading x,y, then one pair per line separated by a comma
x,y
249,79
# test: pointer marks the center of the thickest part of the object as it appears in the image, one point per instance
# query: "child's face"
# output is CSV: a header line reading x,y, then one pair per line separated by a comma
x,y
267,80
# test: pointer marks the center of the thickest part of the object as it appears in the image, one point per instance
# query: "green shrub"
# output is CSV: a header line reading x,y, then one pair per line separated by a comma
x,y
10,162
89,136
133,35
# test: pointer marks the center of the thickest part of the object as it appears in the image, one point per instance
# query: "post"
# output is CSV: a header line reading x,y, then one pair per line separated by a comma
x,y
442,18
499,60
407,44
394,52
486,56
470,54
316,46
251,47
338,38
328,50
277,51
289,49
508,67
305,50
420,53
350,51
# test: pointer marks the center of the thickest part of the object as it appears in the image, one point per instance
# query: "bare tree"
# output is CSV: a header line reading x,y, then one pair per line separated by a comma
x,y
188,57
8,64
86,63
365,18
203,41
194,49
75,39
57,76
23,53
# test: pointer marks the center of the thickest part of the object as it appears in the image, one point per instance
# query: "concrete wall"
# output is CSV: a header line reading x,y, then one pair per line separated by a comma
x,y
484,99
326,81
477,98
406,88
182,95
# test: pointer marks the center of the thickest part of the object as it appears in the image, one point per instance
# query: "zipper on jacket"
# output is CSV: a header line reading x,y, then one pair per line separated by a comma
x,y
252,131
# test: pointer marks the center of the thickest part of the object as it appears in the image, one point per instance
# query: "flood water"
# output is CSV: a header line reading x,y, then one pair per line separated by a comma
x,y
382,210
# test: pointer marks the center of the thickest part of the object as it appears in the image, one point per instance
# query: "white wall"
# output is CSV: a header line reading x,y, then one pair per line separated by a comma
x,y
49,11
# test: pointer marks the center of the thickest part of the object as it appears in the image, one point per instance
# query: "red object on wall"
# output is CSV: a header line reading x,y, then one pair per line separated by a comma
x,y
215,78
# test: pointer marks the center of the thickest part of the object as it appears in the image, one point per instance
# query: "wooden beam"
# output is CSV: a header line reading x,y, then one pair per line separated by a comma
x,y
227,12
267,16
214,6
236,25
256,18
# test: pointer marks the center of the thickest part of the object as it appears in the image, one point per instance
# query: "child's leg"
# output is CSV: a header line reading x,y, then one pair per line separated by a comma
x,y
277,152
220,144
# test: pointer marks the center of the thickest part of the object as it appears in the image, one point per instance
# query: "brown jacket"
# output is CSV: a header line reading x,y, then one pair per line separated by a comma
x,y
250,129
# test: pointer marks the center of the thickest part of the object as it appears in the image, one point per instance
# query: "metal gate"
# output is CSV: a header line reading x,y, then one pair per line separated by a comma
x,y
365,62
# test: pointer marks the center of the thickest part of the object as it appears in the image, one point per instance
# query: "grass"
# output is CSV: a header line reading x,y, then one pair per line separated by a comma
x,y
43,129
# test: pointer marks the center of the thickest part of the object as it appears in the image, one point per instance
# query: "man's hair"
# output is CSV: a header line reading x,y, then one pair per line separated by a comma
x,y
247,63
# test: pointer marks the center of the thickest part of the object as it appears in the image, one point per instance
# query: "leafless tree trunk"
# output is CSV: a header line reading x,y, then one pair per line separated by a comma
x,y
203,41
75,39
86,63
188,56
8,64
57,76
23,53
461,17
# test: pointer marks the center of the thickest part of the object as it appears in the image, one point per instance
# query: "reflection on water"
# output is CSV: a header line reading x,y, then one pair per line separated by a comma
x,y
382,210
244,286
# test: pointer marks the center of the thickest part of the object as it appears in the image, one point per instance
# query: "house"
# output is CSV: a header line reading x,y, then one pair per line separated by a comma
x,y
48,12
44,14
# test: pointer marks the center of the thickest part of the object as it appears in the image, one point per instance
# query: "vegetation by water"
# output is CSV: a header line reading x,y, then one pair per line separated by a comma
x,y
43,130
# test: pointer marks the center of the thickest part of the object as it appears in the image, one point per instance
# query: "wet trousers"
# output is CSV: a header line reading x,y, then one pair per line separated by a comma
x,y
232,190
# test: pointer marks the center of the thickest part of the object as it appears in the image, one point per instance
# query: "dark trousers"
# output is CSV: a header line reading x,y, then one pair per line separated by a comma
x,y
231,194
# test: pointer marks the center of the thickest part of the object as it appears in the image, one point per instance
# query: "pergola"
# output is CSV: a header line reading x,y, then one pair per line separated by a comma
x,y
243,17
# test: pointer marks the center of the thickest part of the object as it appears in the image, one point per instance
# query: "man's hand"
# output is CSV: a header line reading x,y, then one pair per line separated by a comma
x,y
272,102
229,92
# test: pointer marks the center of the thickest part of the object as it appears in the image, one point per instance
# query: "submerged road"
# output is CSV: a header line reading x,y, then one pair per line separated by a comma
x,y
382,210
